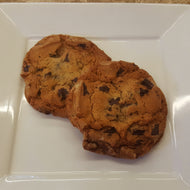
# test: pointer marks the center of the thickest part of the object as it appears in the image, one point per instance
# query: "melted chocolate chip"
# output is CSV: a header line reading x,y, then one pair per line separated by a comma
x,y
62,93
75,79
85,91
147,83
47,112
124,105
104,147
109,115
39,69
54,55
39,92
109,109
114,101
104,88
119,71
139,142
132,113
83,46
26,68
138,132
48,74
155,130
110,130
66,58
143,92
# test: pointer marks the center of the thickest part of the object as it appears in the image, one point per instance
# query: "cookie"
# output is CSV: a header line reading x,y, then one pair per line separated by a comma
x,y
119,109
52,67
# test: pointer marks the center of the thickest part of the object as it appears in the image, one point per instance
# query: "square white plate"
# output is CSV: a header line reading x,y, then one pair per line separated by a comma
x,y
45,152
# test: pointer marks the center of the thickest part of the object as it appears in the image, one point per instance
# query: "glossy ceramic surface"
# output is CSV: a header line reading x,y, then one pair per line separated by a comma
x,y
45,152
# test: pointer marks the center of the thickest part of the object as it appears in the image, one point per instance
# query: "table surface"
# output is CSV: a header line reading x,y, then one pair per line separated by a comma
x,y
127,1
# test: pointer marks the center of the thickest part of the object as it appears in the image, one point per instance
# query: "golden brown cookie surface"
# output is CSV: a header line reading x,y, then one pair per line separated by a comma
x,y
53,66
119,109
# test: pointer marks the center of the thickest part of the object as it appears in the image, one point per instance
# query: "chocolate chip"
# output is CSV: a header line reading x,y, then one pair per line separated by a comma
x,y
39,92
66,58
48,74
138,132
119,71
155,130
132,113
114,101
124,105
147,83
83,46
104,147
62,93
26,68
143,92
75,79
47,112
109,115
52,55
139,142
110,130
114,117
85,91
109,109
104,88
39,69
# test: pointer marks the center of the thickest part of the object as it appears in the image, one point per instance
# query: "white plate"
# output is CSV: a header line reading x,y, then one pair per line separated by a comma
x,y
45,152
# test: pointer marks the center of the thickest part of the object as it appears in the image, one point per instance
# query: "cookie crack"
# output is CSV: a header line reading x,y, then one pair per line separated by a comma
x,y
92,105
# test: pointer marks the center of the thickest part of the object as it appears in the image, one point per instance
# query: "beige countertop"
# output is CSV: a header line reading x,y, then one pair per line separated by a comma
x,y
127,1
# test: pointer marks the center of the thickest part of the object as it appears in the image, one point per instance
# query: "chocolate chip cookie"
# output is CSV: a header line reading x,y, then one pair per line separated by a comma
x,y
119,109
52,67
